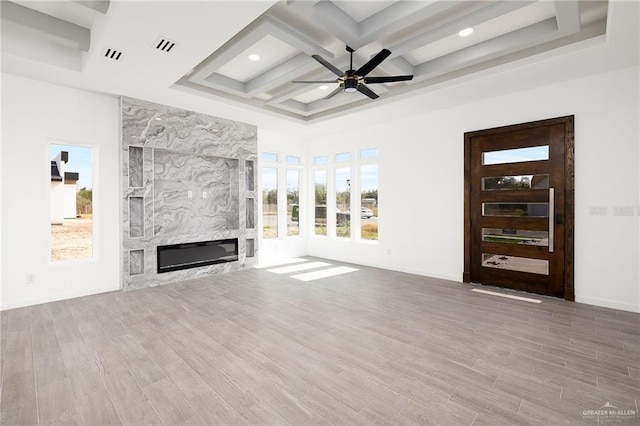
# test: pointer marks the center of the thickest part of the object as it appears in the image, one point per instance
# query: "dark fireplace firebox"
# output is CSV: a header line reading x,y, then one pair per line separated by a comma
x,y
192,255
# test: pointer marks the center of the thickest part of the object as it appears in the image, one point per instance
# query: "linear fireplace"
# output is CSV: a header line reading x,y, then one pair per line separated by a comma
x,y
192,255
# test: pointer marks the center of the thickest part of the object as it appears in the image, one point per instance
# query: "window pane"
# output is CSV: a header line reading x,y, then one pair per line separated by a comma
x,y
293,202
515,182
345,156
318,161
369,153
269,202
293,160
533,153
269,156
72,202
516,209
320,214
516,236
369,202
343,202
514,263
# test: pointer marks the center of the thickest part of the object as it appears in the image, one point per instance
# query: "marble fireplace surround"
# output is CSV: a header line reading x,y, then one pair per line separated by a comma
x,y
186,177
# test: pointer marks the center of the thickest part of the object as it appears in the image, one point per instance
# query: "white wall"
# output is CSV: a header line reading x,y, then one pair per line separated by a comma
x,y
421,181
33,115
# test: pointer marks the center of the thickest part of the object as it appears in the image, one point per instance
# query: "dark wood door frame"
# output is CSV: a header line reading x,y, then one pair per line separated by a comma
x,y
569,205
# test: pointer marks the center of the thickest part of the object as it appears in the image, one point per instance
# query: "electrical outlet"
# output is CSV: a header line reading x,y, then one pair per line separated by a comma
x,y
624,211
189,194
598,211
31,279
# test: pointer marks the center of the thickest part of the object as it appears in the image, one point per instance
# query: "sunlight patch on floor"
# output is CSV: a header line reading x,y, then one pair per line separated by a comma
x,y
324,273
508,296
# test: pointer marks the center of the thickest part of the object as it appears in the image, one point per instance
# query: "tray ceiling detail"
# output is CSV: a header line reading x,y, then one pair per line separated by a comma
x,y
422,36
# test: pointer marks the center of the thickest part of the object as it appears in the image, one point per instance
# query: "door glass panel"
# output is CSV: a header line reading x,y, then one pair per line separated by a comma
x,y
516,209
514,263
518,155
516,236
515,182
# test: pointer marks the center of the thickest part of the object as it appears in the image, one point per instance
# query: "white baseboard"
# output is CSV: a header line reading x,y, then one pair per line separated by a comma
x,y
608,304
55,298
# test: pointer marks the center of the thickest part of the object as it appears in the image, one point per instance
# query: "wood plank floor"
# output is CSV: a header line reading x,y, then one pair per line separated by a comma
x,y
367,347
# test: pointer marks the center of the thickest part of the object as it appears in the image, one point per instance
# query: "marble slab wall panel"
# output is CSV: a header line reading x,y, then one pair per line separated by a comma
x,y
194,192
180,153
135,166
136,262
136,217
250,213
249,175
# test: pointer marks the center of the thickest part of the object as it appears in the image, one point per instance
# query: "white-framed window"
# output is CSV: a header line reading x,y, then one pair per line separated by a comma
x,y
293,182
368,199
71,202
320,212
269,202
281,183
342,185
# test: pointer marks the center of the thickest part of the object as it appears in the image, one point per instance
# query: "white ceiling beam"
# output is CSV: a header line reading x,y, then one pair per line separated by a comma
x,y
399,65
46,26
101,6
505,44
280,74
251,35
568,16
454,23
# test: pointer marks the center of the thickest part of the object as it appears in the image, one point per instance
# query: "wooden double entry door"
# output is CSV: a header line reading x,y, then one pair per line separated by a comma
x,y
519,207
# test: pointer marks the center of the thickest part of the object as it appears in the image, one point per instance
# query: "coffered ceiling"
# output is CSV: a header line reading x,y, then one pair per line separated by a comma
x,y
422,36
203,48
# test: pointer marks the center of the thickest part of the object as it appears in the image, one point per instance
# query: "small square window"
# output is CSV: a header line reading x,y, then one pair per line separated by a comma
x,y
369,153
318,161
270,156
345,156
293,160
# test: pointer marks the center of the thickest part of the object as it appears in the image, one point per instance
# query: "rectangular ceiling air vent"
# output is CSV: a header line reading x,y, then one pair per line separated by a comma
x,y
164,44
112,54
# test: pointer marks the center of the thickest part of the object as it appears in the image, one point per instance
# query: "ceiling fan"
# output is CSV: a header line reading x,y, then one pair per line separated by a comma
x,y
354,80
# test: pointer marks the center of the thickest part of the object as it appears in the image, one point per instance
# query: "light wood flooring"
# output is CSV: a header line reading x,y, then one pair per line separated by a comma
x,y
367,347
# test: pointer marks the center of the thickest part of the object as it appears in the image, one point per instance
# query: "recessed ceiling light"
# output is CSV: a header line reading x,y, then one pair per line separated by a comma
x,y
254,57
323,87
465,32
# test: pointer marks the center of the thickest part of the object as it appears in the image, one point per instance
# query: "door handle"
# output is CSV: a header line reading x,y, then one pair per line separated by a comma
x,y
551,216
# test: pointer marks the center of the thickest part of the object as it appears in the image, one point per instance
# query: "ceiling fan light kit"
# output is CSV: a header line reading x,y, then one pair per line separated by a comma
x,y
354,80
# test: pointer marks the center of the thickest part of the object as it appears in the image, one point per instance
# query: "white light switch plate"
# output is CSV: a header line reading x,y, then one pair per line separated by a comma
x,y
189,194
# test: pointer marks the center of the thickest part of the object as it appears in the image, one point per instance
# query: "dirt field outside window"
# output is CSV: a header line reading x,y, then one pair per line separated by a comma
x,y
73,239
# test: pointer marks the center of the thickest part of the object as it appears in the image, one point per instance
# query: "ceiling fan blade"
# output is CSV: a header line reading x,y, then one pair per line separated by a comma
x,y
365,90
315,81
327,65
335,92
373,62
389,79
